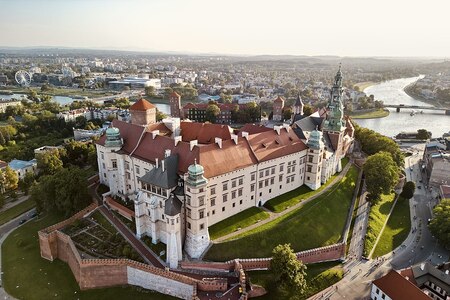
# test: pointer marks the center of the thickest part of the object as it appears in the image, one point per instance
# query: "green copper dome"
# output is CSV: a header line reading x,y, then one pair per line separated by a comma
x,y
113,138
196,177
195,169
315,140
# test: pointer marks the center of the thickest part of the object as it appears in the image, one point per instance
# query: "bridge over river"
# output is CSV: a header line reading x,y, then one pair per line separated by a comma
x,y
398,107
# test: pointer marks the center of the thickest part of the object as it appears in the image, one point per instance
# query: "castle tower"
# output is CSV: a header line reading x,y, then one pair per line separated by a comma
x,y
143,113
111,167
278,105
113,139
172,211
175,105
334,123
314,160
197,235
298,106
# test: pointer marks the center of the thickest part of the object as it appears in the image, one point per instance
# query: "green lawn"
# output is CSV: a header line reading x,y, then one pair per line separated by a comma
x,y
319,277
15,211
377,217
293,197
100,219
241,220
28,276
317,223
380,113
396,230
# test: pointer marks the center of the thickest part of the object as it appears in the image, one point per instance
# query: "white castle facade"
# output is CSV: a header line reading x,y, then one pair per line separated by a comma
x,y
185,176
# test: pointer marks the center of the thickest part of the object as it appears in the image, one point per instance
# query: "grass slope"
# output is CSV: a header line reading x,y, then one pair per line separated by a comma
x,y
293,197
396,230
377,217
28,276
241,220
379,113
318,277
317,223
16,210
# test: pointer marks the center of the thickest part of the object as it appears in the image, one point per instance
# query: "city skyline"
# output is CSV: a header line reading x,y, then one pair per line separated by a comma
x,y
395,29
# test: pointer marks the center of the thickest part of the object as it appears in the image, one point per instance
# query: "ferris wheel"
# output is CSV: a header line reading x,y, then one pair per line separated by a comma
x,y
23,78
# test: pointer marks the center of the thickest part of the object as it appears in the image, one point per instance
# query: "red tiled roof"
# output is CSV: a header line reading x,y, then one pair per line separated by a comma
x,y
174,94
279,99
205,133
269,145
142,105
253,128
397,287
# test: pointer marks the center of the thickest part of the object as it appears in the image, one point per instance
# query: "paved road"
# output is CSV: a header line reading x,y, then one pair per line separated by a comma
x,y
419,245
356,248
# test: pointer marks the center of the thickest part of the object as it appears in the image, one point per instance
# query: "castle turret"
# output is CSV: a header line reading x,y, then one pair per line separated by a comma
x,y
175,105
314,160
143,113
278,106
197,235
113,138
172,211
298,106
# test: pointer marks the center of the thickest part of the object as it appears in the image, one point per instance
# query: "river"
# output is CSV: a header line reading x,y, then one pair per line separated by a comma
x,y
392,92
63,100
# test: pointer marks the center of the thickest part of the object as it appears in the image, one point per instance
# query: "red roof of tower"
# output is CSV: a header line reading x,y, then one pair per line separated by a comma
x,y
142,105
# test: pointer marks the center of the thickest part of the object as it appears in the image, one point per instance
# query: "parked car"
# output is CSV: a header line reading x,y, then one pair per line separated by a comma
x,y
22,221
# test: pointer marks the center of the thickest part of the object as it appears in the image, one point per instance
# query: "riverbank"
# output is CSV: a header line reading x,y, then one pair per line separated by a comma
x,y
409,91
364,85
69,92
375,114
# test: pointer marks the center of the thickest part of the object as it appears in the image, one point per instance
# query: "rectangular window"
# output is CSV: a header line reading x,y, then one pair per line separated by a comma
x,y
114,163
223,208
213,201
234,204
272,171
102,155
188,211
201,200
252,188
280,178
272,180
225,197
260,185
240,192
225,186
281,167
310,158
240,202
213,190
241,181
233,194
308,168
213,212
202,213
138,170
128,176
233,184
103,166
261,174
188,225
202,226
267,172
188,200
253,176
266,182
127,165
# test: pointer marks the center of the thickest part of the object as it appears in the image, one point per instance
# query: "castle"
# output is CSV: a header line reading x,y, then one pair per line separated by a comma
x,y
185,176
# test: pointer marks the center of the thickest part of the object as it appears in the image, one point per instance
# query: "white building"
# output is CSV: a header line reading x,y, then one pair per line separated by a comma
x,y
21,167
182,184
5,103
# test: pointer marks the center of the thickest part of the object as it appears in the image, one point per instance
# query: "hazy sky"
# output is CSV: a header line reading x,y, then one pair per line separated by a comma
x,y
312,27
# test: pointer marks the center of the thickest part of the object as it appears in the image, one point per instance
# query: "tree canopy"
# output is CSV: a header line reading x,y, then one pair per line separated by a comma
x,y
440,224
408,190
381,174
289,272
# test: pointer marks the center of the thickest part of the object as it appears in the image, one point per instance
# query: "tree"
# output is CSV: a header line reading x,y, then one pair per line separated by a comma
x,y
423,134
11,179
26,183
381,174
308,110
289,272
65,192
160,115
408,190
212,111
150,91
287,113
122,103
2,139
226,98
440,224
49,162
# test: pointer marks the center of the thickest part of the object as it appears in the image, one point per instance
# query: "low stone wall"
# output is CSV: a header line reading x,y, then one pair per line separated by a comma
x,y
213,284
119,208
322,254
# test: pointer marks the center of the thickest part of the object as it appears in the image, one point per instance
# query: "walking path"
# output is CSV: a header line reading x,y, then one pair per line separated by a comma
x,y
274,215
356,246
137,244
14,203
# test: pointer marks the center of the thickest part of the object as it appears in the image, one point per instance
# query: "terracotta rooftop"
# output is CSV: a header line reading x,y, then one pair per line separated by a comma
x,y
142,105
205,133
398,287
253,128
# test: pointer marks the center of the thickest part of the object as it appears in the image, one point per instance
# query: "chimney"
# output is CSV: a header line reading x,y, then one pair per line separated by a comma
x,y
245,134
157,162
218,141
192,144
162,165
286,126
422,266
155,133
277,129
167,153
234,137
177,139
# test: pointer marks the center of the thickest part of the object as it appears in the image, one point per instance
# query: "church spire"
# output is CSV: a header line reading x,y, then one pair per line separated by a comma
x,y
298,106
335,117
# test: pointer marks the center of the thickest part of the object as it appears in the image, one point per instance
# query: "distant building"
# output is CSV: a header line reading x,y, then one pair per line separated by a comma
x,y
45,149
21,167
83,134
278,106
197,112
135,83
176,110
436,164
5,103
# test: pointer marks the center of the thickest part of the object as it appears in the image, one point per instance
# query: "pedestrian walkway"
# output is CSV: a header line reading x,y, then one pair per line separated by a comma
x,y
14,203
274,215
137,244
